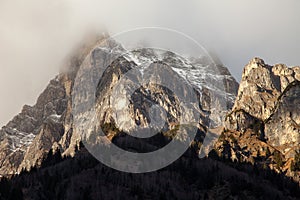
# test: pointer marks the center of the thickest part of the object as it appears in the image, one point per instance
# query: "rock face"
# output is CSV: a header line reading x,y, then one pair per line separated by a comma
x,y
30,126
268,97
27,139
265,116
282,128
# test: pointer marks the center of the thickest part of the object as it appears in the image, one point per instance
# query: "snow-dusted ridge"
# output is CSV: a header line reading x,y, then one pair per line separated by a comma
x,y
199,72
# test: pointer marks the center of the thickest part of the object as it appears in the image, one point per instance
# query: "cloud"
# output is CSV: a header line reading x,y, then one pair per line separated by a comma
x,y
36,35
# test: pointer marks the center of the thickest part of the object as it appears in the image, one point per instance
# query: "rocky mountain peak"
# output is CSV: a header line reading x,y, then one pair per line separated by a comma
x,y
265,116
261,86
27,139
255,63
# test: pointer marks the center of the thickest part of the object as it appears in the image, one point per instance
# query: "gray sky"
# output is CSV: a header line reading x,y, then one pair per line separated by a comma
x,y
36,35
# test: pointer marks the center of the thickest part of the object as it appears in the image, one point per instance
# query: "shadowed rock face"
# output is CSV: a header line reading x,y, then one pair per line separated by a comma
x,y
31,127
283,128
48,124
27,139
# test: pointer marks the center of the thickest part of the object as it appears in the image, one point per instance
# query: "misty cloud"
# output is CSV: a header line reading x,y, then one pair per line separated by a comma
x,y
35,36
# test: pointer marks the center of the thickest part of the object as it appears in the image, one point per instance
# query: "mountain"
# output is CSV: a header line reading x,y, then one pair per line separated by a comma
x,y
28,138
45,152
263,126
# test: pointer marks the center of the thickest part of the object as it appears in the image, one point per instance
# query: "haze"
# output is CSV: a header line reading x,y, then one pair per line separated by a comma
x,y
35,35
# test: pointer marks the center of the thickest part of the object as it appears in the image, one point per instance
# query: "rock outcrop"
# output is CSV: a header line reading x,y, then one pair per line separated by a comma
x,y
261,86
265,117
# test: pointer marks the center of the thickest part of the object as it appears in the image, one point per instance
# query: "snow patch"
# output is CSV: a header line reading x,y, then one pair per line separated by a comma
x,y
19,141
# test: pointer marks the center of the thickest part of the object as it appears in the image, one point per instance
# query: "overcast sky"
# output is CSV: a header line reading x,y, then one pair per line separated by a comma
x,y
35,35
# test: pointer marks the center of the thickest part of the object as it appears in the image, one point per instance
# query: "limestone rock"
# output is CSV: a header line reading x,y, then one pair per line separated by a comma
x,y
265,116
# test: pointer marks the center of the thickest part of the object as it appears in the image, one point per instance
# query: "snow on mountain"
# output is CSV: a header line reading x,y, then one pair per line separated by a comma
x,y
49,123
18,139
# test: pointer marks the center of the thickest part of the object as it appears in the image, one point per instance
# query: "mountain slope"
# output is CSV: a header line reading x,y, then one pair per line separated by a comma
x,y
30,135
